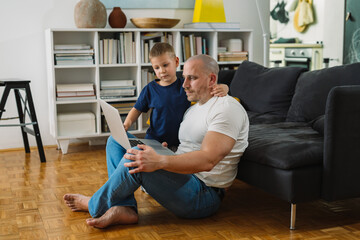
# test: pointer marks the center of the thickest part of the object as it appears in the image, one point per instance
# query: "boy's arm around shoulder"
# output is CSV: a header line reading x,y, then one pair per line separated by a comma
x,y
220,90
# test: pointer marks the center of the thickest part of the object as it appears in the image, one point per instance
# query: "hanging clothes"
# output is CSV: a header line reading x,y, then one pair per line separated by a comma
x,y
279,13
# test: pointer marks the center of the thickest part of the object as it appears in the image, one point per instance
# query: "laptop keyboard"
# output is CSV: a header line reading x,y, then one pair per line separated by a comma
x,y
135,142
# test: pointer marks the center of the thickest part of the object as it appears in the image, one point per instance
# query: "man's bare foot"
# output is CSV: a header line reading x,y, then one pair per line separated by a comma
x,y
115,215
77,202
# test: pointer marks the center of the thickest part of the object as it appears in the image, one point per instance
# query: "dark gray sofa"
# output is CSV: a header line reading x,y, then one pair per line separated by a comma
x,y
304,138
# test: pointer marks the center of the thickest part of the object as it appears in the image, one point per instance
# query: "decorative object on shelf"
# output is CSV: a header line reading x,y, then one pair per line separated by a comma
x,y
117,18
90,14
209,11
154,22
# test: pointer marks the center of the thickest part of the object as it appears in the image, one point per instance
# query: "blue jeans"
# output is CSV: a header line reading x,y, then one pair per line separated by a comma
x,y
183,194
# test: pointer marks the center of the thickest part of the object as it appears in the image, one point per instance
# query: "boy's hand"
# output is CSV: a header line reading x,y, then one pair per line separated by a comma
x,y
126,127
220,90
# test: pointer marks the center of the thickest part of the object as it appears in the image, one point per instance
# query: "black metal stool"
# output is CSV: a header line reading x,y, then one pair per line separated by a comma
x,y
28,106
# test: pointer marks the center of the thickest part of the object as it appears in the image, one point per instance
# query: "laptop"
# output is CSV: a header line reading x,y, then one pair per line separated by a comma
x,y
118,132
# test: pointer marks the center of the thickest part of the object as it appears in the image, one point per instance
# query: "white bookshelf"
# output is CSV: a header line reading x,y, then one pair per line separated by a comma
x,y
96,72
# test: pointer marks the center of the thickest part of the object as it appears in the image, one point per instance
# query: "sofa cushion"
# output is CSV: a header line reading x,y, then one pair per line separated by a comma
x,y
265,90
285,145
318,124
313,88
264,118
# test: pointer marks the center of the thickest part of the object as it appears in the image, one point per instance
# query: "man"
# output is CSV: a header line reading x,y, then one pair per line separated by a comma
x,y
213,136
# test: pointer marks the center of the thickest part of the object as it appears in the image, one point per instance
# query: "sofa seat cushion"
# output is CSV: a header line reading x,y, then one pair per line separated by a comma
x,y
265,90
313,87
284,145
264,118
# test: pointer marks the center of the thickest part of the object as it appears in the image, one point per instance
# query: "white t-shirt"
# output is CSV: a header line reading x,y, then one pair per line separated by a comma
x,y
219,114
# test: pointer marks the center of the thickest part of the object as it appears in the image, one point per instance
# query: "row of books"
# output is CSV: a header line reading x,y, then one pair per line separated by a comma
x,y
147,76
73,54
79,91
118,50
232,56
193,45
110,89
149,39
123,108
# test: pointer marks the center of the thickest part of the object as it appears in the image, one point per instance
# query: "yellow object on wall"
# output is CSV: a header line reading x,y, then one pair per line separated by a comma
x,y
209,11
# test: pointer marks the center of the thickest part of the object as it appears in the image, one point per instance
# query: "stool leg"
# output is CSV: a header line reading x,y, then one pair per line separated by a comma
x,y
36,125
22,120
3,100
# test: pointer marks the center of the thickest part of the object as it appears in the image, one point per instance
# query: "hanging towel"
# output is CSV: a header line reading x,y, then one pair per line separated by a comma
x,y
303,15
306,15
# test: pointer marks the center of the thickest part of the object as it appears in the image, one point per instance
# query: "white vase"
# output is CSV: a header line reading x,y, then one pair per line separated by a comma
x,y
90,14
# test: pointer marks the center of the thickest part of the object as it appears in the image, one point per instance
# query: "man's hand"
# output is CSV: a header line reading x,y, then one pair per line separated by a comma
x,y
145,160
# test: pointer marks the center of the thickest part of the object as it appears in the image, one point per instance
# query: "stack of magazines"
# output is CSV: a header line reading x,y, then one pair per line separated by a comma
x,y
79,91
110,89
73,54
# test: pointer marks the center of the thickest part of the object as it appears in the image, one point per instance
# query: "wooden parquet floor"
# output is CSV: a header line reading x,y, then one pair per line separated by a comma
x,y
31,206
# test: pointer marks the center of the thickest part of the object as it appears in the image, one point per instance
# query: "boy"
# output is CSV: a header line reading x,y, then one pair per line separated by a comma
x,y
165,96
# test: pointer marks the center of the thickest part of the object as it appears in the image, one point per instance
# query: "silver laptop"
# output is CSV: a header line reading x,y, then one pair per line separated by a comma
x,y
118,132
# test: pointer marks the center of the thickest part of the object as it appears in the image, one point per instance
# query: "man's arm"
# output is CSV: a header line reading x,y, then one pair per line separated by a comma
x,y
214,148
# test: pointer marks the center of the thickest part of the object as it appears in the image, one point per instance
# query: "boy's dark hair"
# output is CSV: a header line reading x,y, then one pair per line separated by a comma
x,y
160,48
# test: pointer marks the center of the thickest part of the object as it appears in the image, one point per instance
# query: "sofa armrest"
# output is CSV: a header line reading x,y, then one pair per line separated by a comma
x,y
341,172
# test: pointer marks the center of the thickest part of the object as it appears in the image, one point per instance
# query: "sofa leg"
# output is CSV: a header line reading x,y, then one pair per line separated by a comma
x,y
293,216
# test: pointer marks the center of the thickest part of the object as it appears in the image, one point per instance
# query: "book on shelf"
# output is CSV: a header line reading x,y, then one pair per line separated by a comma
x,y
75,62
128,39
80,91
198,43
101,47
116,83
233,56
76,98
75,94
106,50
123,104
71,54
146,76
186,47
122,50
118,50
110,53
113,93
73,58
75,87
213,25
74,52
71,46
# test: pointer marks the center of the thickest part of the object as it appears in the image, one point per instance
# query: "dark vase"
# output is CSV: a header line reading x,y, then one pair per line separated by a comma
x,y
117,18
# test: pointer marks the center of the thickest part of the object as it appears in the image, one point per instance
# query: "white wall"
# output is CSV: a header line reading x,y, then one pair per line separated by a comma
x,y
328,28
22,47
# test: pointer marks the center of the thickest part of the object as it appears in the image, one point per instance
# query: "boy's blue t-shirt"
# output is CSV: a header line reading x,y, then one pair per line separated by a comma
x,y
168,104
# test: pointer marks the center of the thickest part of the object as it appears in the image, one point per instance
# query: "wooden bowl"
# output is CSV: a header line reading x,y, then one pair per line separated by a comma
x,y
154,22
